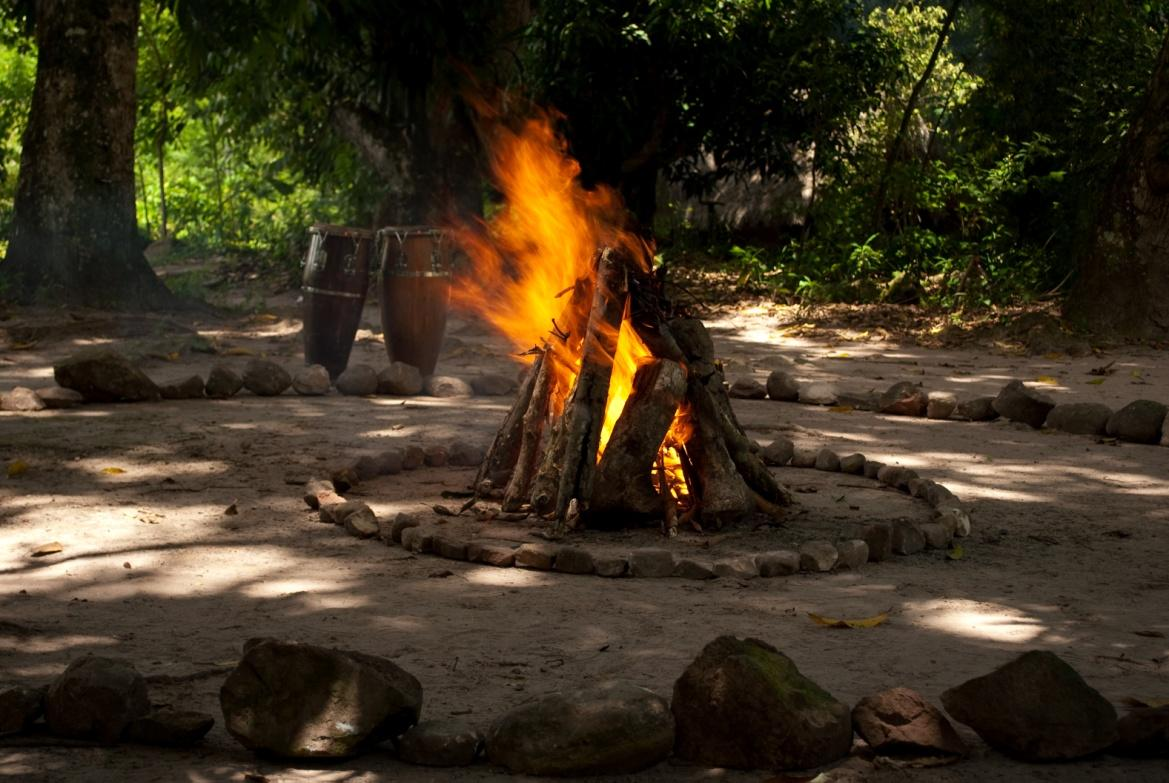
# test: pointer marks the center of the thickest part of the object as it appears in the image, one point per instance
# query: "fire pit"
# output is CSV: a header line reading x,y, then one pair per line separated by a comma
x,y
623,418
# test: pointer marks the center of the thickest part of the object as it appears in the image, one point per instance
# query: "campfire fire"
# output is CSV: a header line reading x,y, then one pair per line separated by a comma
x,y
619,417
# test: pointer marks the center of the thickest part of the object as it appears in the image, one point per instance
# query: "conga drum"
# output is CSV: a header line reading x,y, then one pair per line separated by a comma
x,y
415,289
336,277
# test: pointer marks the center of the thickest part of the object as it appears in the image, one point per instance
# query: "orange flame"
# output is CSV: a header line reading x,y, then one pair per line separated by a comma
x,y
528,256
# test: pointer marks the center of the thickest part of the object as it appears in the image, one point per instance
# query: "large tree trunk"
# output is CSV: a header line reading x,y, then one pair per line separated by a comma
x,y
74,237
1124,274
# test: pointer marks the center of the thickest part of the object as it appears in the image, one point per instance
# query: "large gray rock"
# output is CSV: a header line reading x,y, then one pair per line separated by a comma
x,y
826,459
782,386
441,743
95,698
1139,422
464,454
747,389
904,399
399,379
976,409
1019,403
817,393
1080,418
941,405
312,381
20,706
222,383
745,705
899,722
651,563
22,399
265,379
1036,708
170,727
779,451
446,386
299,700
818,556
189,388
614,728
358,380
102,375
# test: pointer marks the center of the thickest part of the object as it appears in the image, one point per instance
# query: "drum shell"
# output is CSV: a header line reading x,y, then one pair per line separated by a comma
x,y
415,294
336,278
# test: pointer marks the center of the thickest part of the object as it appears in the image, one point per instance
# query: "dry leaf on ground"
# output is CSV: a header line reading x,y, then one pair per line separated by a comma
x,y
864,622
51,548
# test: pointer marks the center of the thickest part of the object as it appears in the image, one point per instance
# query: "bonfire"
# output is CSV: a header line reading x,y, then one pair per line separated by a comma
x,y
623,416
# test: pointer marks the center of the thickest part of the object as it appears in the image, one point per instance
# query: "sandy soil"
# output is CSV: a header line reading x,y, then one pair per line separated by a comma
x,y
1068,552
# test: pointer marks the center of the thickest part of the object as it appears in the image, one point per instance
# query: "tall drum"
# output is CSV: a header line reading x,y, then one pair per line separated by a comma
x,y
416,289
336,277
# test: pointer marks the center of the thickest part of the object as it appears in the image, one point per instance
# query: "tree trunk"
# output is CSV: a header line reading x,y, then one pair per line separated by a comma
x,y
1123,286
74,237
898,142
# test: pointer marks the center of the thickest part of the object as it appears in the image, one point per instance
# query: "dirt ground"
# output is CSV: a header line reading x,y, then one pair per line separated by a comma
x,y
1068,553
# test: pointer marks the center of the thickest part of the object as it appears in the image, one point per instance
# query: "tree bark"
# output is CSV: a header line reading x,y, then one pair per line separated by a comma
x,y
1123,286
74,238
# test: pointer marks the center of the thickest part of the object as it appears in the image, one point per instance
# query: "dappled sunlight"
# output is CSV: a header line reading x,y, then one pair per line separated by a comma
x,y
50,644
509,577
977,620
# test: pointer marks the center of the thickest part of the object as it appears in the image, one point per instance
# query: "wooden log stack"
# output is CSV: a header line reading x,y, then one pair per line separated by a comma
x,y
545,455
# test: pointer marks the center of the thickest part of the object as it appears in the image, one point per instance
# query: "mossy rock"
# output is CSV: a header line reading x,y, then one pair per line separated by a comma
x,y
743,704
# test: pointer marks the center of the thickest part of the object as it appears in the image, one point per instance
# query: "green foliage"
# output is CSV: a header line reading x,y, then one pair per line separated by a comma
x,y
17,75
1009,143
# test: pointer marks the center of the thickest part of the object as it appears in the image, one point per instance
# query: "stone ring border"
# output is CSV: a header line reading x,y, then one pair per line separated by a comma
x,y
868,542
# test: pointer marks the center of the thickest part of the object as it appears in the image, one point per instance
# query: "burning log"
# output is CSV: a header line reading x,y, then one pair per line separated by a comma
x,y
534,418
546,452
568,469
624,475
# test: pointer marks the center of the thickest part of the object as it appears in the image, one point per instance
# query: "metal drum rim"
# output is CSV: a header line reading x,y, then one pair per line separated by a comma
x,y
331,229
408,231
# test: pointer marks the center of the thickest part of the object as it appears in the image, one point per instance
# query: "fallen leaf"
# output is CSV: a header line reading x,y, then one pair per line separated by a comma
x,y
1096,381
1150,634
237,351
440,574
442,510
22,346
1136,374
51,548
955,552
173,356
17,467
113,471
231,510
127,565
1047,379
841,409
839,355
1106,369
865,622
